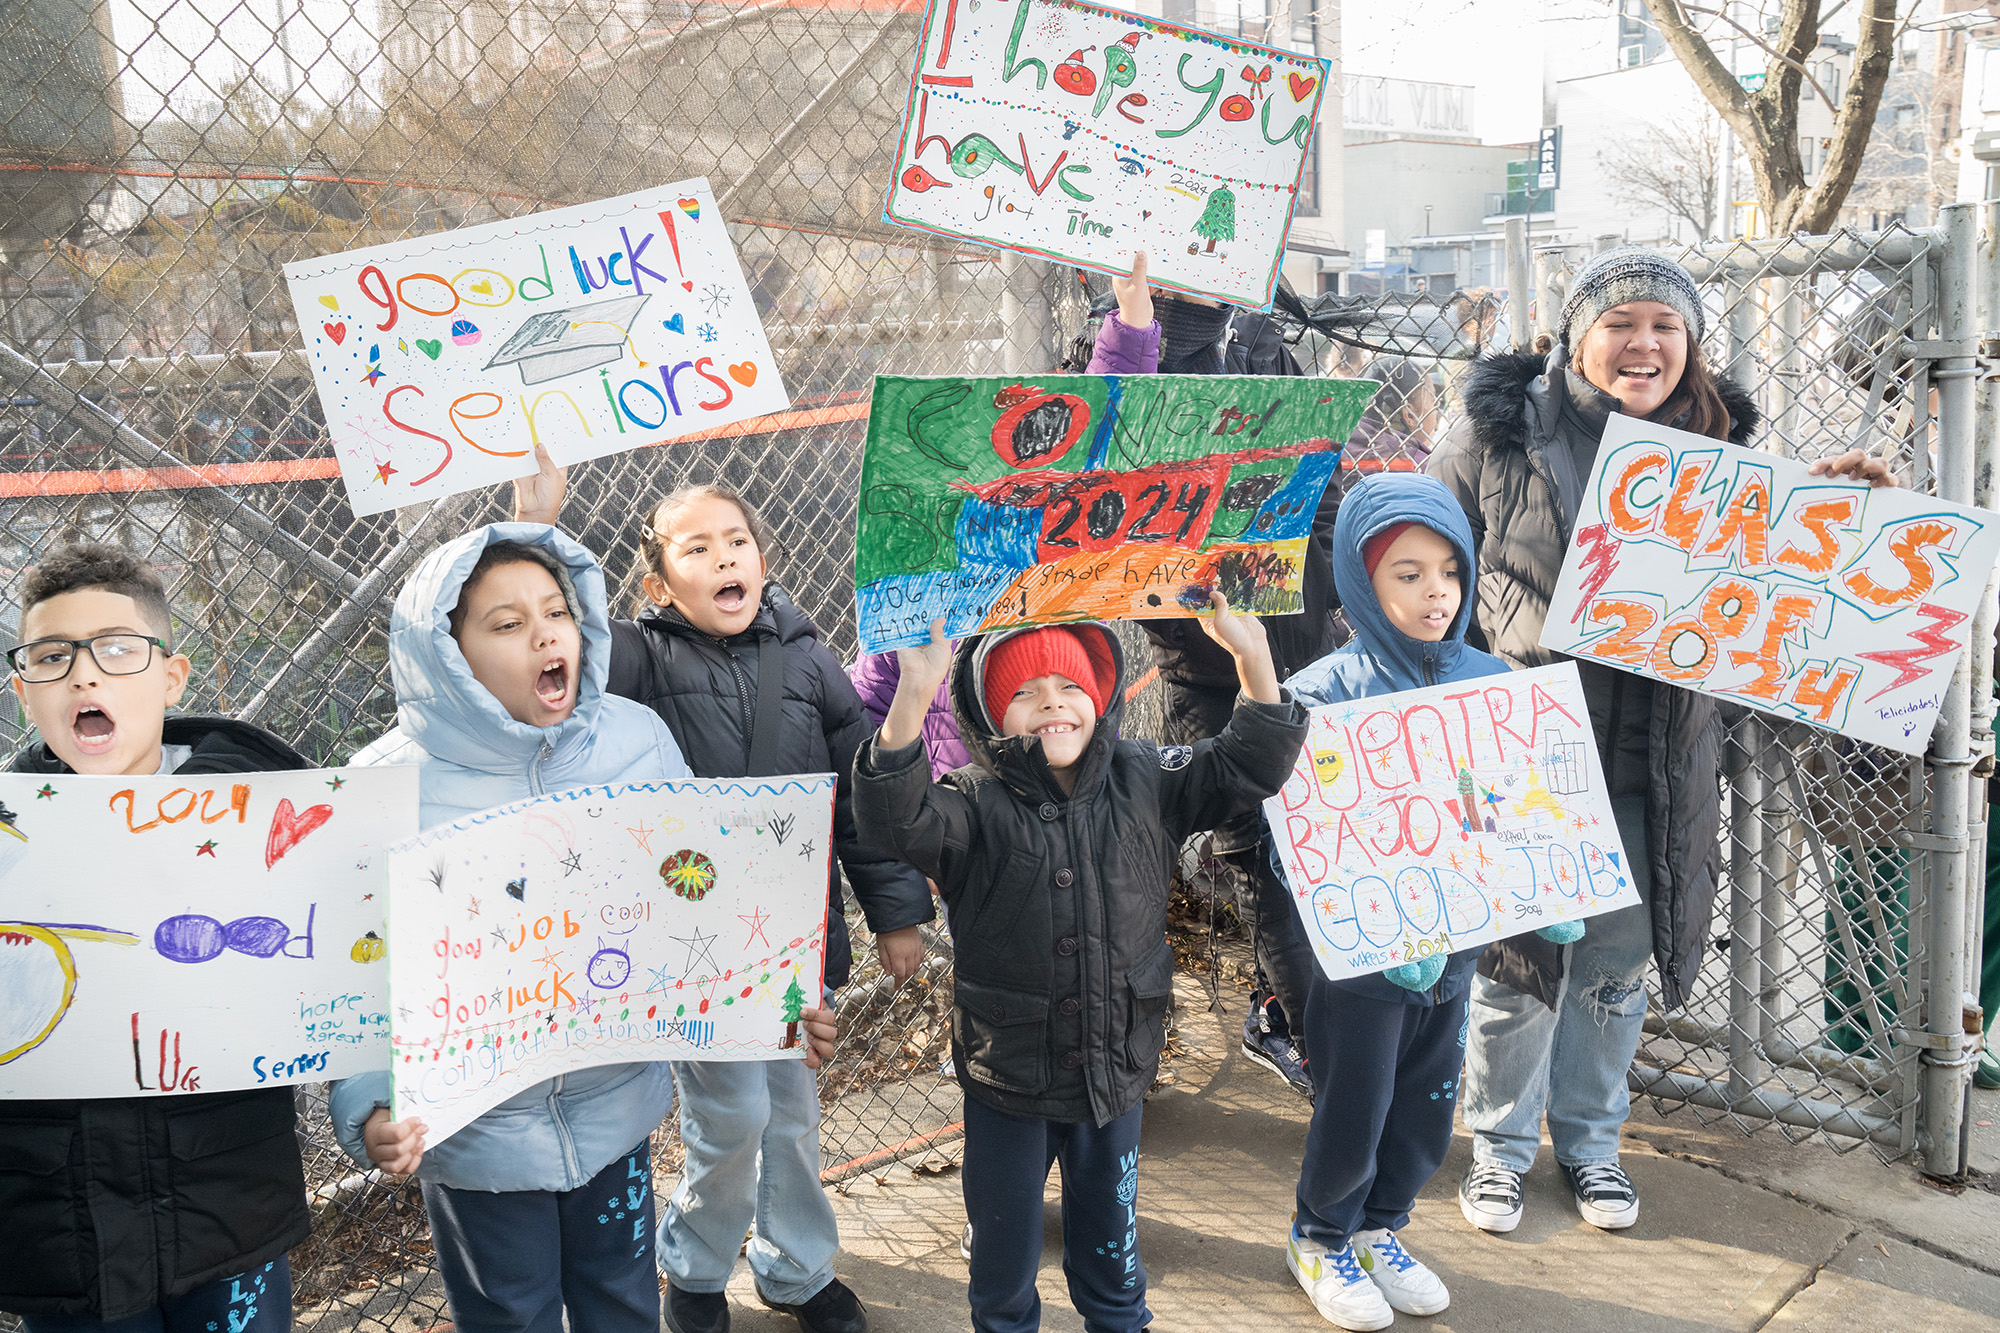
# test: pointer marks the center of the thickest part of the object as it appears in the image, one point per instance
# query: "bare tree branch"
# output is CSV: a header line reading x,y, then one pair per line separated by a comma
x,y
1855,120
1756,40
1675,166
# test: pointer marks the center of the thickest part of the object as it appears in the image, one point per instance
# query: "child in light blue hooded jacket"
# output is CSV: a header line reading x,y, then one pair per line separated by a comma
x,y
1385,1051
500,646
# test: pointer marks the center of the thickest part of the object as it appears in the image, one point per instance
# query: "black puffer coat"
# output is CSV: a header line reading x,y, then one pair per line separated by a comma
x,y
706,690
110,1205
1058,903
1655,740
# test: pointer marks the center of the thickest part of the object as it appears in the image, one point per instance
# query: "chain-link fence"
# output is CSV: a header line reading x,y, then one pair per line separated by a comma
x,y
156,172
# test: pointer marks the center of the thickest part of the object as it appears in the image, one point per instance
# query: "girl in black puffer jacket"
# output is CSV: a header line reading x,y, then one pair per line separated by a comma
x,y
739,675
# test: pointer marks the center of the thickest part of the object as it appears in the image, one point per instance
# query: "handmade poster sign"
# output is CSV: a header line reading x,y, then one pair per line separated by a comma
x,y
194,934
603,926
441,361
1081,134
1436,819
1739,574
1000,502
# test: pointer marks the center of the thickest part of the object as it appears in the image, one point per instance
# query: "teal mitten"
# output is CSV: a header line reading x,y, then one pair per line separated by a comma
x,y
1562,932
1420,975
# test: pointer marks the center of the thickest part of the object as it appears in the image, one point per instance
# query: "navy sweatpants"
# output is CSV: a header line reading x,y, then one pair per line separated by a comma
x,y
1007,1160
513,1262
1385,1082
256,1301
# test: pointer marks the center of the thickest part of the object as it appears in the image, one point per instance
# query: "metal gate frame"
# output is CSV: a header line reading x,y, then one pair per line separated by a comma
x,y
1917,1100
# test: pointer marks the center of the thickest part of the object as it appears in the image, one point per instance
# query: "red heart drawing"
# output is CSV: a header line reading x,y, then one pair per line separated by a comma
x,y
744,373
335,331
1303,85
289,828
687,286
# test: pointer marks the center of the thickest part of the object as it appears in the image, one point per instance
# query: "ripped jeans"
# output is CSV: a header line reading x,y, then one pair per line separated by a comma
x,y
1524,1060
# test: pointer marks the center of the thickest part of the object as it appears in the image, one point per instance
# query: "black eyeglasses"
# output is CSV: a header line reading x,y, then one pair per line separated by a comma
x,y
48,660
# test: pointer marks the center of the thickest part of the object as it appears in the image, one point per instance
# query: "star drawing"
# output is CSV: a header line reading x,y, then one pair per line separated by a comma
x,y
643,836
549,958
471,907
699,946
206,849
336,783
572,863
806,850
383,472
755,920
499,937
45,793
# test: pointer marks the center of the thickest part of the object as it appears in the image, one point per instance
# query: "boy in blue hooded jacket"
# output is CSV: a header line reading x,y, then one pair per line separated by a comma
x,y
1384,1051
500,645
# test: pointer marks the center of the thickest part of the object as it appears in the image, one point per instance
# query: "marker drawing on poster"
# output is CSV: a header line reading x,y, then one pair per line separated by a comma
x,y
1080,134
998,502
1432,820
1739,574
441,361
164,935
603,926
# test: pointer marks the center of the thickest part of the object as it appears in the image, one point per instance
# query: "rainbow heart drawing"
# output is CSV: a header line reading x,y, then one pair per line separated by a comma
x,y
691,207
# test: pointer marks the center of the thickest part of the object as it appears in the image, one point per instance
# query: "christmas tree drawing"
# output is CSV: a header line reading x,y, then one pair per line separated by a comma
x,y
795,1003
1218,220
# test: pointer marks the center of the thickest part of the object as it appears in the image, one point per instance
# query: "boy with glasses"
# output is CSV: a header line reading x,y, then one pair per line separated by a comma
x,y
107,1219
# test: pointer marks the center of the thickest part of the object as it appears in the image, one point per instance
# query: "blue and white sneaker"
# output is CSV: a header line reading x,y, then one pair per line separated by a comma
x,y
1406,1284
1340,1290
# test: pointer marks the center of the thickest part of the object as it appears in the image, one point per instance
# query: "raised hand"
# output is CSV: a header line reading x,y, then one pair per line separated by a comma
x,y
1243,638
920,671
1135,299
538,499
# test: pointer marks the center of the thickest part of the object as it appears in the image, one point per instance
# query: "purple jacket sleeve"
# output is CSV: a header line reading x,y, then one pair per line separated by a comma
x,y
1124,350
875,676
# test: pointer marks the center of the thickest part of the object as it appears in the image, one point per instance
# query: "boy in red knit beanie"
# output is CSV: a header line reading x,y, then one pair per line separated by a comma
x,y
1053,850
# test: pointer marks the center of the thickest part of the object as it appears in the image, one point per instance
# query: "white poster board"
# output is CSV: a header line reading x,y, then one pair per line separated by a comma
x,y
194,934
1432,820
441,361
1080,134
1739,574
603,926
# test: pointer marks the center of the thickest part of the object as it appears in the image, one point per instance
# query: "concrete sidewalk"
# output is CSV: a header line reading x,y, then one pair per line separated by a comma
x,y
1735,1233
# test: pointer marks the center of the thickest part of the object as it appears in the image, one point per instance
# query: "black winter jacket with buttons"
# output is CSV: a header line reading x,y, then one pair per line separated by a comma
x,y
705,690
110,1205
1058,903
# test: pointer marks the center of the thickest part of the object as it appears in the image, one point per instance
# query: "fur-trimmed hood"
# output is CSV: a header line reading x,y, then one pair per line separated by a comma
x,y
1494,390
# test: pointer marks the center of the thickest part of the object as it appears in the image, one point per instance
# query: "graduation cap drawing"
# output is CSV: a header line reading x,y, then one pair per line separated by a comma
x,y
555,343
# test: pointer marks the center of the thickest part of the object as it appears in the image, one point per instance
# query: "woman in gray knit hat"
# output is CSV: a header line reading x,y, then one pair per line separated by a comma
x,y
1553,1028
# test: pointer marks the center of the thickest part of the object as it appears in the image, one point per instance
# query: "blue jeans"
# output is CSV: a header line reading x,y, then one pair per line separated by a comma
x,y
1007,1160
257,1301
1524,1060
518,1261
751,1130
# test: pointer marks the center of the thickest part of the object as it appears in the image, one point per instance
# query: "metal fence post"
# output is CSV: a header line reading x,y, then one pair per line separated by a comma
x,y
1947,1057
1520,277
1985,494
1746,871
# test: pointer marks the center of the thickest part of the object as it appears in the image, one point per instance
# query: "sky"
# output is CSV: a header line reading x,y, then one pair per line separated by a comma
x,y
1495,45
